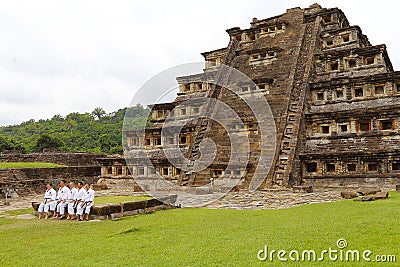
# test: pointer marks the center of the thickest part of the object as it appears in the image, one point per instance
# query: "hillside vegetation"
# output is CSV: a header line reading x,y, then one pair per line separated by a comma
x,y
96,132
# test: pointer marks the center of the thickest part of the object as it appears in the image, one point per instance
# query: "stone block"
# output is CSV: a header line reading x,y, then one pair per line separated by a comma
x,y
114,208
99,187
348,194
130,213
35,205
99,210
96,217
106,209
381,195
150,210
365,198
153,202
115,216
368,191
133,205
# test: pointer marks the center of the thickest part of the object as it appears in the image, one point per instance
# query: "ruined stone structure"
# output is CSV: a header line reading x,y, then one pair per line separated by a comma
x,y
114,167
333,95
34,180
77,167
62,158
116,174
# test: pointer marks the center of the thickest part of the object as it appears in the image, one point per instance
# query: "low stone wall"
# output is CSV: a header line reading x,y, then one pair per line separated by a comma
x,y
116,211
68,159
130,208
34,180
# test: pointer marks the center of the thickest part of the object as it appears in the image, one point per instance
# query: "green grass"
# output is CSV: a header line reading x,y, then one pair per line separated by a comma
x,y
19,212
206,237
24,165
118,199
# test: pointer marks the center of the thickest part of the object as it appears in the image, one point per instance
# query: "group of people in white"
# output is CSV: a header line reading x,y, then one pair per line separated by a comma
x,y
76,201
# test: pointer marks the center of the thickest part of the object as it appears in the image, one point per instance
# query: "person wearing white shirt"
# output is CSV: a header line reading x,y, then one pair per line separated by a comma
x,y
71,199
80,199
59,205
49,198
88,203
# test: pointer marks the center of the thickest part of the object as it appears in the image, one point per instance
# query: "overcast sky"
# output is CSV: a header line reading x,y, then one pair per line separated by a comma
x,y
58,57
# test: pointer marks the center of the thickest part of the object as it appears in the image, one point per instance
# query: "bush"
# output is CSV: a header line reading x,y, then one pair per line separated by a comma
x,y
48,141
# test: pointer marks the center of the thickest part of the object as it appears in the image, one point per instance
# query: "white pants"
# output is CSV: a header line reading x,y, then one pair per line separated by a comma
x,y
53,205
85,208
44,207
71,209
61,208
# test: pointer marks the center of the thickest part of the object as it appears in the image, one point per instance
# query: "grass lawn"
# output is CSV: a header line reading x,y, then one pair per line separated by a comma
x,y
118,199
205,237
19,212
22,165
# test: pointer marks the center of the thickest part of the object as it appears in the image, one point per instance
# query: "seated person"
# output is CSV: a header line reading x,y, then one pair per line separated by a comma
x,y
49,198
80,200
59,205
88,202
71,200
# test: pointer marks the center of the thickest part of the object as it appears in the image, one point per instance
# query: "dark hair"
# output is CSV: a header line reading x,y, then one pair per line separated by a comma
x,y
50,184
88,184
63,181
80,183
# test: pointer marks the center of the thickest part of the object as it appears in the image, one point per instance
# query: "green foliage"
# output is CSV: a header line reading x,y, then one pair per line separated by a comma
x,y
208,237
105,143
95,132
98,113
48,141
7,144
136,117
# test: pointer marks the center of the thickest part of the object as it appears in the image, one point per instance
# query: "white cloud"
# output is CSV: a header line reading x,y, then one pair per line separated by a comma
x,y
66,56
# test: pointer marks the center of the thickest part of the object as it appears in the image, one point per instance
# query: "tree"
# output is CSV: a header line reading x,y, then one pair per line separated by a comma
x,y
105,143
87,118
70,124
98,112
57,117
7,144
116,150
48,141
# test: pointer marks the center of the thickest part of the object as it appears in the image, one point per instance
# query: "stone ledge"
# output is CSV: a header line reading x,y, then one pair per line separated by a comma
x,y
119,215
129,208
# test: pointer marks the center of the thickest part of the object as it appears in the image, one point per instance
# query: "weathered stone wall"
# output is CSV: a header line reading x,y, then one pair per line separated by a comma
x,y
35,180
68,159
335,182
